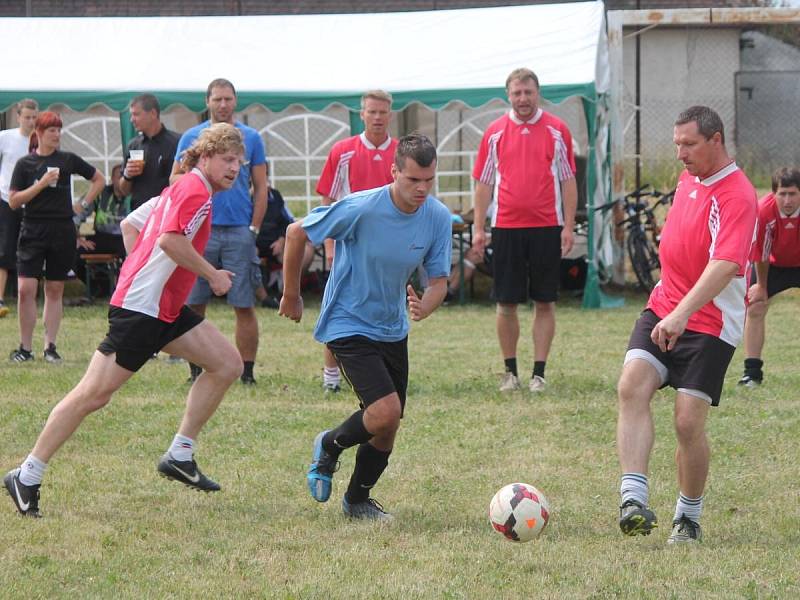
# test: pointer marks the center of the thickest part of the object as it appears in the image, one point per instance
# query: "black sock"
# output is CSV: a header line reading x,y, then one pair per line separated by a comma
x,y
370,464
538,368
752,367
248,368
350,433
511,365
195,370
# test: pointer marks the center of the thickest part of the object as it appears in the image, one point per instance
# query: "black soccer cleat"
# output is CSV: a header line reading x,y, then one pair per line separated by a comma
x,y
186,472
636,519
25,497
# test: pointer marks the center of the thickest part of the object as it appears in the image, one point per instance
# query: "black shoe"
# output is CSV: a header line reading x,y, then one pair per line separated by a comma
x,y
186,472
194,372
25,497
20,355
750,380
636,519
51,356
270,302
247,379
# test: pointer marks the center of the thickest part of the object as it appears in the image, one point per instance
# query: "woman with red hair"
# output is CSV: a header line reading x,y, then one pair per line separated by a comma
x,y
41,185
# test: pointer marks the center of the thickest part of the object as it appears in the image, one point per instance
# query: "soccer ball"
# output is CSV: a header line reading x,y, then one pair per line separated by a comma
x,y
519,511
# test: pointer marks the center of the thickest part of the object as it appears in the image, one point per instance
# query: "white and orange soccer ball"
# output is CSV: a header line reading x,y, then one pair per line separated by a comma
x,y
519,512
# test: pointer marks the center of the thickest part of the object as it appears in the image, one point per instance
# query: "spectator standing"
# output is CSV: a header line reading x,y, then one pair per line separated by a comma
x,y
360,162
525,162
13,146
235,224
41,184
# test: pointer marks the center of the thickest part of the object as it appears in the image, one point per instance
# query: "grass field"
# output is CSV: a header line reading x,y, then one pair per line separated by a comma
x,y
113,528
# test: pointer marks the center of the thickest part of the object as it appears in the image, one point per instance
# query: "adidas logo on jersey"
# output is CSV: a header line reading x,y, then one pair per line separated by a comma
x,y
525,131
377,157
693,194
789,225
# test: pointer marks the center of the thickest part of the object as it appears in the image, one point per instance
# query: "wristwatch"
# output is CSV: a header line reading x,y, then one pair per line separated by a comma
x,y
253,229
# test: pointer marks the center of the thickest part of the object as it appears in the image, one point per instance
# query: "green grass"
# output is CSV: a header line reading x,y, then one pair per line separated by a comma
x,y
112,528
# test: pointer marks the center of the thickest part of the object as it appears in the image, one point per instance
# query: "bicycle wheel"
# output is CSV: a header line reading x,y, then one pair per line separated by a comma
x,y
644,259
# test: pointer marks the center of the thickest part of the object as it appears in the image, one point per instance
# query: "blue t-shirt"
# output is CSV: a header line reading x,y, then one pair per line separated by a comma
x,y
377,249
233,206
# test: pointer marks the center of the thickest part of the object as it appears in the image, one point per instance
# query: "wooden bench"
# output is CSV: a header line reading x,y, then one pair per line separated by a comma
x,y
101,263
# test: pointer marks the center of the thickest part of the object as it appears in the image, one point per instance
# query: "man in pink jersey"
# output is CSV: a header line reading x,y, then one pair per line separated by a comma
x,y
686,336
361,162
776,258
525,162
165,239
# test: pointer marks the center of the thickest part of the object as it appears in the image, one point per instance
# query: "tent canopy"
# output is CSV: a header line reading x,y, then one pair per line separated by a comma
x,y
432,57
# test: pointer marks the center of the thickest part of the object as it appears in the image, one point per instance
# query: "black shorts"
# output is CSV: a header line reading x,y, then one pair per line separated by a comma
x,y
780,279
46,247
374,369
696,365
526,264
10,221
135,337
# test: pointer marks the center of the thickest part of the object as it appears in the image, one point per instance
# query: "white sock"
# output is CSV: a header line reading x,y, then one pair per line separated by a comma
x,y
691,507
31,471
331,376
634,487
182,448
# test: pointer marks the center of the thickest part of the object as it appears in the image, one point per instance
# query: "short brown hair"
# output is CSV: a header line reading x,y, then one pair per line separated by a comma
x,y
148,102
522,74
417,147
708,121
219,82
376,95
785,177
29,103
216,139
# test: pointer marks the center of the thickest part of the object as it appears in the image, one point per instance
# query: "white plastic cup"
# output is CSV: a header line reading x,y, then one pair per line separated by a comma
x,y
57,170
137,155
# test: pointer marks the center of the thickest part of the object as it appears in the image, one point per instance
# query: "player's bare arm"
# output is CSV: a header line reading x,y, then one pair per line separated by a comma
x,y
569,192
291,302
422,307
483,198
258,176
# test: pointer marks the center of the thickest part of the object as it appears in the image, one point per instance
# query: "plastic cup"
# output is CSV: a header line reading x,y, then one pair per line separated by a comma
x,y
57,170
137,155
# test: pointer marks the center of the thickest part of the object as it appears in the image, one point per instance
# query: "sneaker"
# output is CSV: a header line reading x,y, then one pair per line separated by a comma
x,y
247,379
750,381
3,309
25,497
636,519
20,355
685,531
369,510
331,388
510,382
320,472
51,356
537,384
186,472
270,302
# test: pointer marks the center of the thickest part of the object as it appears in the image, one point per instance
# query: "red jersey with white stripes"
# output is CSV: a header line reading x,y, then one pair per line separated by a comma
x,y
525,162
355,164
778,239
150,282
710,219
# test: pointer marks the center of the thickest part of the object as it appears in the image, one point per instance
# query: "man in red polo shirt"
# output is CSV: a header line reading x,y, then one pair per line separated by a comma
x,y
776,258
525,163
361,162
686,336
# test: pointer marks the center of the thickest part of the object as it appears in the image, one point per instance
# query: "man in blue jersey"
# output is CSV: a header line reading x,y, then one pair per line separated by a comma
x,y
236,221
381,236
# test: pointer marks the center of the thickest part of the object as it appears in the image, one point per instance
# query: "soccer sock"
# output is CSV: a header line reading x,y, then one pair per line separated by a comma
x,y
182,448
538,368
752,367
248,368
31,472
633,486
350,433
331,376
195,370
691,507
370,464
511,365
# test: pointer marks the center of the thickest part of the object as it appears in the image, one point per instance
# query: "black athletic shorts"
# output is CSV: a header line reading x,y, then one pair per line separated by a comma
x,y
695,366
374,369
526,264
46,247
779,279
135,337
10,221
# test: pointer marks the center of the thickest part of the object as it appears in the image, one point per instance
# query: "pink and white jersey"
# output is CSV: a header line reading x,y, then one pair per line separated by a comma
x,y
778,239
355,164
526,161
150,282
710,219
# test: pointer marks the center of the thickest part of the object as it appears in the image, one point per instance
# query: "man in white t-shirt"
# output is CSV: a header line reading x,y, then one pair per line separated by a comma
x,y
13,146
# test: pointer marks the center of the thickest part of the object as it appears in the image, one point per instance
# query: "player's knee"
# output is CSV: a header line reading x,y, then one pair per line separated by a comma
x,y
687,427
232,367
385,416
506,310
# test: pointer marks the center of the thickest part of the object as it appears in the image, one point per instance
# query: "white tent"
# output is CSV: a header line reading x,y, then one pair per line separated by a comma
x,y
432,57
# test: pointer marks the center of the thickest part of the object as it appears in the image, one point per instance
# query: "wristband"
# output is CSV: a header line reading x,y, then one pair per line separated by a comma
x,y
253,229
125,177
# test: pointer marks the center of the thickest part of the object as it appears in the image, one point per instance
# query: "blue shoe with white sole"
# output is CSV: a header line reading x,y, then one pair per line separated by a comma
x,y
321,470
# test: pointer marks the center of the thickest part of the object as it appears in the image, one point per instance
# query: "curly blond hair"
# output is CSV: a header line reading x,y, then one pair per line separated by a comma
x,y
216,139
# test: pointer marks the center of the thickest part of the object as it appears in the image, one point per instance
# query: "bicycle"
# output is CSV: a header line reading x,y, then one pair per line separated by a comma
x,y
643,231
